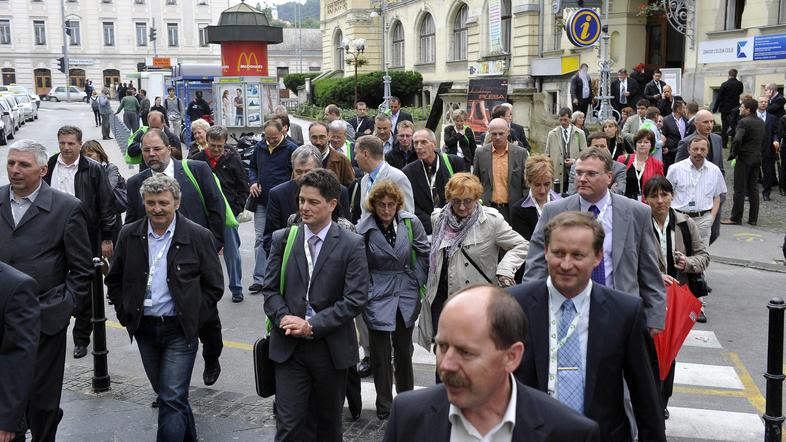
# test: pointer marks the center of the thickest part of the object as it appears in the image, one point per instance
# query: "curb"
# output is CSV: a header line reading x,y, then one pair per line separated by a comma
x,y
758,265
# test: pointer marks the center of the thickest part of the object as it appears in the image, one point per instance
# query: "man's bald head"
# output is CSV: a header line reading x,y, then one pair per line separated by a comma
x,y
704,122
499,130
493,307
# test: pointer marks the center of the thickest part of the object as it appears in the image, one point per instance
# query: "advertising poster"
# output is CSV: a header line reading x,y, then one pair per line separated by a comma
x,y
233,106
253,107
482,96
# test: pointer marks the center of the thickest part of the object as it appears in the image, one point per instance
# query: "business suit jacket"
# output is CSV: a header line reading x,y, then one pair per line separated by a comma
x,y
555,146
770,135
20,329
389,172
630,101
633,253
402,116
361,125
421,190
296,133
282,202
340,165
651,91
746,145
716,150
576,87
728,96
672,133
618,181
616,350
194,275
482,168
776,105
339,292
209,216
630,128
51,245
517,135
422,416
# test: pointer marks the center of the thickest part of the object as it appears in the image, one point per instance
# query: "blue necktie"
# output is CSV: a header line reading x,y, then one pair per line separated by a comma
x,y
599,272
570,381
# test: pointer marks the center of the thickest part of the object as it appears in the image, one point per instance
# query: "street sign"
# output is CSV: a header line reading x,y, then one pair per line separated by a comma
x,y
583,27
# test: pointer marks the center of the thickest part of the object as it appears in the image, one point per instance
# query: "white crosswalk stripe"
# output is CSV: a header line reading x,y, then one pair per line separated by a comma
x,y
713,424
704,375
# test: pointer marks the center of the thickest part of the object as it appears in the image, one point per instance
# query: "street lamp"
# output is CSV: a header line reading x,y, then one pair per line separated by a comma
x,y
360,47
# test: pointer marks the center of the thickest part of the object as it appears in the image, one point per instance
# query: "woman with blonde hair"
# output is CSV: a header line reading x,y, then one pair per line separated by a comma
x,y
199,128
617,145
524,214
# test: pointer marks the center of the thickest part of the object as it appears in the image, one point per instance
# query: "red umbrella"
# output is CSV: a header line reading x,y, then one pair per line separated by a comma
x,y
682,310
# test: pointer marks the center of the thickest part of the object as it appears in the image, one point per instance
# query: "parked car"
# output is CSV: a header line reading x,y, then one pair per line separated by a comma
x,y
7,118
58,93
29,110
16,114
23,90
3,136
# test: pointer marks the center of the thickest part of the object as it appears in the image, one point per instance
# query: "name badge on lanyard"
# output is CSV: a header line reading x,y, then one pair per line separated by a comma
x,y
309,310
555,345
148,296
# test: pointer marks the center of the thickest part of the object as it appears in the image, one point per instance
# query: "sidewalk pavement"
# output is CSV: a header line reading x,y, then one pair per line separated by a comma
x,y
749,246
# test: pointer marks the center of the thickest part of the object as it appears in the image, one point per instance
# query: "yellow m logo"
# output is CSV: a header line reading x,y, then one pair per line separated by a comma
x,y
248,61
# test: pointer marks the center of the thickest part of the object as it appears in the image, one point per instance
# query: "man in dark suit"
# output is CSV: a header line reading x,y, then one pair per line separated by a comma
x,y
43,233
581,89
770,145
208,214
362,123
728,98
624,92
20,328
164,271
429,174
653,91
282,201
479,394
776,102
629,260
396,114
313,340
156,120
79,176
675,127
403,152
597,335
746,149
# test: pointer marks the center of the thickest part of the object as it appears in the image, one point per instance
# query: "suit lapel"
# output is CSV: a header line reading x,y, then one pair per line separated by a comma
x,y
620,224
5,206
529,421
540,335
331,239
299,254
598,319
440,413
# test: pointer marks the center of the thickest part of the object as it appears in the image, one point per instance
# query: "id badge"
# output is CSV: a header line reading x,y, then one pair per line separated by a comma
x,y
148,302
309,312
692,204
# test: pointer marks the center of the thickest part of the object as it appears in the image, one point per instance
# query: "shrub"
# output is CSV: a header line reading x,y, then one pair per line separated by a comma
x,y
341,91
294,81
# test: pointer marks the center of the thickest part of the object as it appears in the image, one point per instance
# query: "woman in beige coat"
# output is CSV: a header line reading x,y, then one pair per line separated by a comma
x,y
466,243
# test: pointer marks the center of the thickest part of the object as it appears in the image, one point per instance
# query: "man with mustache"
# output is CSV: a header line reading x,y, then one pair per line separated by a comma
x,y
479,344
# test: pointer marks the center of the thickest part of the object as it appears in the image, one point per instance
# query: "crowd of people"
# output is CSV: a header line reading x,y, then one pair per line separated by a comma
x,y
538,279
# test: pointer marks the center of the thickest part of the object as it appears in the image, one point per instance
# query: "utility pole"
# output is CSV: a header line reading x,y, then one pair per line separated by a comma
x,y
66,33
299,19
153,38
605,111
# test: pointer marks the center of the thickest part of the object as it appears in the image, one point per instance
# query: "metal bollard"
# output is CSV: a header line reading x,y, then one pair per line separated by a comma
x,y
773,416
101,380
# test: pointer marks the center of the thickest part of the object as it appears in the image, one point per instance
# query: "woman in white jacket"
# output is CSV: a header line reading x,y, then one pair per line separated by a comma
x,y
465,247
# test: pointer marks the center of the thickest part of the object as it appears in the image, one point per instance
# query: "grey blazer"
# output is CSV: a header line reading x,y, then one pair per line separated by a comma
x,y
517,157
388,172
52,246
339,290
715,156
634,256
296,132
618,184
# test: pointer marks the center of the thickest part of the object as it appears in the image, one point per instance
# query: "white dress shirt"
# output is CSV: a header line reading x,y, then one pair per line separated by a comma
x,y
605,218
169,170
462,430
694,189
321,234
582,304
19,205
64,174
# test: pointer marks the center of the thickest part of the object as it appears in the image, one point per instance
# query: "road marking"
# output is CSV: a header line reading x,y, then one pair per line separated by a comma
x,y
705,375
709,391
702,338
748,237
230,344
752,392
713,424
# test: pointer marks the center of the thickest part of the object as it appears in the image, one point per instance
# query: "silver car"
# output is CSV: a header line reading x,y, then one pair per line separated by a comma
x,y
7,118
58,93
16,114
29,109
16,89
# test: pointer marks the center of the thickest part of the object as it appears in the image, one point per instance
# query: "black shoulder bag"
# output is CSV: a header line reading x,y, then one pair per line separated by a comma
x,y
696,282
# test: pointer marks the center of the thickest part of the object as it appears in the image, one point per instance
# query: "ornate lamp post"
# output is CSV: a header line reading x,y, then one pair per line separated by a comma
x,y
360,47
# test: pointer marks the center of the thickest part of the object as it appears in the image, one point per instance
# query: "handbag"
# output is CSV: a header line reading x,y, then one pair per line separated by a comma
x,y
264,370
696,282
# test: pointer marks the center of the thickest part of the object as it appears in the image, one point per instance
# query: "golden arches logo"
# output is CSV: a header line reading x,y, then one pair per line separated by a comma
x,y
249,61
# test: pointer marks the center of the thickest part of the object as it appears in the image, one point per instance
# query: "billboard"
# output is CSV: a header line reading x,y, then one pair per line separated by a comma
x,y
482,95
759,48
244,58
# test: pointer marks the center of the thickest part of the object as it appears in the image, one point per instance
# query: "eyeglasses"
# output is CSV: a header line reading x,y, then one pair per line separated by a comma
x,y
466,202
590,174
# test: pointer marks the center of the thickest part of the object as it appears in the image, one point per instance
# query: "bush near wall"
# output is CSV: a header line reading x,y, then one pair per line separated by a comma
x,y
294,81
341,91
314,112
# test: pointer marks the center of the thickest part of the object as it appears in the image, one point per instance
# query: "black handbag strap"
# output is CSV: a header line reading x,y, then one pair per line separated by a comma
x,y
686,238
471,261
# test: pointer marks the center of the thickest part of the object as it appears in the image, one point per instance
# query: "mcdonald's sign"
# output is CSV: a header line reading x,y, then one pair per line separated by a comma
x,y
244,58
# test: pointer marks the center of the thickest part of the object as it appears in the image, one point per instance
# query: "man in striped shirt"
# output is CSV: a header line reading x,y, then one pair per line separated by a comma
x,y
698,185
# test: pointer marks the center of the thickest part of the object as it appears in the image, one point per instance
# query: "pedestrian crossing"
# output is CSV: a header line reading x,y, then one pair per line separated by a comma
x,y
711,386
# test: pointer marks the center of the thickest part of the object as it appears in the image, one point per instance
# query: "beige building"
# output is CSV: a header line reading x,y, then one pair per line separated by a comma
x,y
523,41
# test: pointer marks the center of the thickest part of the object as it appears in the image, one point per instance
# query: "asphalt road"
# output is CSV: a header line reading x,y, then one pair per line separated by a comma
x,y
718,393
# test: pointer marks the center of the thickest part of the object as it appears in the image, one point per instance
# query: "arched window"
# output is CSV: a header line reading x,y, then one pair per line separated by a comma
x,y
9,76
397,45
460,34
427,40
338,58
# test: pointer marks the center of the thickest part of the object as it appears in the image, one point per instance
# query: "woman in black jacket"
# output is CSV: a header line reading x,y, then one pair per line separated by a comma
x,y
460,135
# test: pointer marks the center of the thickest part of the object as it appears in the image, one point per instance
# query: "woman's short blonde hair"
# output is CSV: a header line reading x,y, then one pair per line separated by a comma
x,y
463,183
611,122
200,124
539,168
382,189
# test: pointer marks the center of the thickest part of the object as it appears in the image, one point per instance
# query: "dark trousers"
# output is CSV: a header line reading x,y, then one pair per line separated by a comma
x,y
105,133
667,386
782,167
582,106
131,120
768,178
43,412
307,377
168,358
746,182
97,116
668,159
715,230
382,369
210,335
725,126
83,324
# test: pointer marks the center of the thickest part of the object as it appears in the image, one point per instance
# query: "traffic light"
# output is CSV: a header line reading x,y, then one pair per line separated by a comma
x,y
152,34
61,65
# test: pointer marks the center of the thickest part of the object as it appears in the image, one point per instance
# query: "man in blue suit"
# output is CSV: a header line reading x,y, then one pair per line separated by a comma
x,y
204,206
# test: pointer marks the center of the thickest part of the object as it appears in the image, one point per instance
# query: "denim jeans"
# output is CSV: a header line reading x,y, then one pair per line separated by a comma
x,y
168,358
261,257
232,260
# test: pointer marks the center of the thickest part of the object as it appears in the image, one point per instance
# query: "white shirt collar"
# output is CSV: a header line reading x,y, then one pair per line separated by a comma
x,y
169,230
321,234
585,205
556,298
169,170
30,197
62,163
456,416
